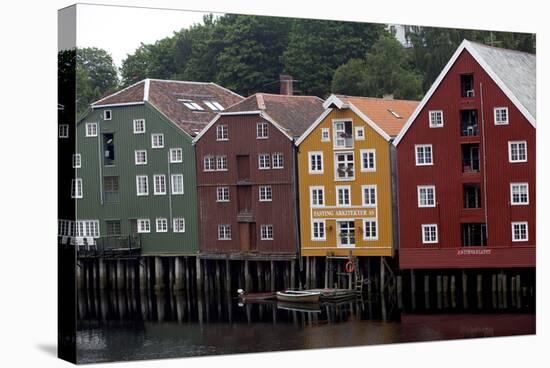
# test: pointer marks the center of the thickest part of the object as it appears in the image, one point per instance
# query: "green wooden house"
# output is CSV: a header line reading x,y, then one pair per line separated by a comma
x,y
134,166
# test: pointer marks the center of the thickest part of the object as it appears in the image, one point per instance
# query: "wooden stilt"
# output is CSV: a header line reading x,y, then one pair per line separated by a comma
x,y
273,276
313,272
218,278
259,276
382,276
159,274
227,277
247,280
142,274
178,274
326,272
293,274
198,266
120,275
308,274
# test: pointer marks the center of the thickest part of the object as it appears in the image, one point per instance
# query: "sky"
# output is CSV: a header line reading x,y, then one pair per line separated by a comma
x,y
121,30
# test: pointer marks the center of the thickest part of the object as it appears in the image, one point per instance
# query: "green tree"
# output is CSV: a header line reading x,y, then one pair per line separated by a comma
x,y
350,78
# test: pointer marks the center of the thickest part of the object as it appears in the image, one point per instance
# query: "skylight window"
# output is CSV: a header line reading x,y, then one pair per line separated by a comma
x,y
213,105
395,114
191,105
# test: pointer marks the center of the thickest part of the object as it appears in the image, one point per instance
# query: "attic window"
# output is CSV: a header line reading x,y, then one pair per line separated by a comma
x,y
395,114
107,115
213,105
191,105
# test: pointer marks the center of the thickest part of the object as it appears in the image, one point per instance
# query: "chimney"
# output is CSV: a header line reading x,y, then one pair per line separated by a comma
x,y
387,96
286,85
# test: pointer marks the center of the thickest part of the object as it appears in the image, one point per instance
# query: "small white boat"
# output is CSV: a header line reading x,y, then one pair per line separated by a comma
x,y
298,296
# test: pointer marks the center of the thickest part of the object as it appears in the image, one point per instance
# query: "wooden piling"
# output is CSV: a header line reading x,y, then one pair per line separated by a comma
x,y
308,274
426,283
399,292
159,274
102,274
293,274
438,285
80,275
259,276
247,280
186,265
227,277
178,274
218,278
273,279
287,275
382,275
313,272
120,274
494,283
479,288
198,266
142,274
326,272
112,275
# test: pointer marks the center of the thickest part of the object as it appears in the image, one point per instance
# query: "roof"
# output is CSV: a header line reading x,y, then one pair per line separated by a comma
x,y
168,96
514,72
294,114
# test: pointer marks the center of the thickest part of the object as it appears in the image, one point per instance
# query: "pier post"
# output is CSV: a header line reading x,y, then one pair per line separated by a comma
x,y
513,290
438,286
382,275
170,266
479,288
504,290
128,284
314,272
218,277
186,284
426,283
308,274
227,277
79,275
199,274
120,274
465,289
259,275
159,274
248,286
399,292
95,274
142,274
413,290
112,275
206,271
326,272
178,274
494,283
272,279
293,274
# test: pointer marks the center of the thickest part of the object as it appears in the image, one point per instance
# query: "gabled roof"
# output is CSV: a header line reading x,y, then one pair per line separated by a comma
x,y
514,72
385,116
168,97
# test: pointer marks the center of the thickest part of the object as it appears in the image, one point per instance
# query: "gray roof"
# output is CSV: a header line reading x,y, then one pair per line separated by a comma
x,y
517,70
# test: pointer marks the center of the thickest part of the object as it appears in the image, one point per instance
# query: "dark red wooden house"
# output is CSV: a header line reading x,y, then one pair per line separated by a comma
x,y
246,177
466,165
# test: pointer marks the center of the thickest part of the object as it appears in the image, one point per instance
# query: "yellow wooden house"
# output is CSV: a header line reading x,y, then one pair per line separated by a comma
x,y
345,177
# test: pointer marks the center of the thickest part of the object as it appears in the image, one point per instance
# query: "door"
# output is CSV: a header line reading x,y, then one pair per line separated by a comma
x,y
244,198
252,236
244,236
243,168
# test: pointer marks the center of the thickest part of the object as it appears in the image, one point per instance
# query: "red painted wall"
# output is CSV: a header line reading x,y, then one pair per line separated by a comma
x,y
280,212
446,174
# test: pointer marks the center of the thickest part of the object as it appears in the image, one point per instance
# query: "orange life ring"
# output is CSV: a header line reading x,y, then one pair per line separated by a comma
x,y
350,267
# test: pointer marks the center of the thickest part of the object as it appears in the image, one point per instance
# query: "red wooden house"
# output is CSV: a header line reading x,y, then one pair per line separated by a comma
x,y
466,165
246,177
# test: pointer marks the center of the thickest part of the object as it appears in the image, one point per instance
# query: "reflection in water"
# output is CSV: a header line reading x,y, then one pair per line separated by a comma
x,y
128,325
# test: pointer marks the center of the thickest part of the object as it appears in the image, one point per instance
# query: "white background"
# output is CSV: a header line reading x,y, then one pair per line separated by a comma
x,y
28,30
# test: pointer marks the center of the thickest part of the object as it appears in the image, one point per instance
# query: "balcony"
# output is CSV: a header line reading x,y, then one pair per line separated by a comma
x,y
474,235
107,246
470,158
468,123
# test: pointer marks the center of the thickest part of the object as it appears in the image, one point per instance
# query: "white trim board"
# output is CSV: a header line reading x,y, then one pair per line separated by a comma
x,y
465,45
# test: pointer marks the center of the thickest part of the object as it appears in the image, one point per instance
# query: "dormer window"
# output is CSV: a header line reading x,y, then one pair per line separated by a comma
x,y
213,105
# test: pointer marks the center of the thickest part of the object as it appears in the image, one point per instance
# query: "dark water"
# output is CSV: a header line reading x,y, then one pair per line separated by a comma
x,y
129,326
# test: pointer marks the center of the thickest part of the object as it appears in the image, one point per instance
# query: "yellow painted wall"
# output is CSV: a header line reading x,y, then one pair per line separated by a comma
x,y
381,177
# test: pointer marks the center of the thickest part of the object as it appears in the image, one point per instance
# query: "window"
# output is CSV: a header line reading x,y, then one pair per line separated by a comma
x,y
343,196
109,149
467,85
265,193
107,115
519,193
110,189
315,162
87,228
213,105
517,151
91,129
221,162
343,136
436,119
423,154
263,161
267,232
63,130
224,232
157,140
344,166
65,228
191,105
369,195
325,135
177,183
368,160
519,231
77,161
468,123
429,234
143,226
317,196
209,163
160,184
318,230
140,157
470,157
142,185
222,133
370,229
501,115
472,195
474,235
139,126
360,133
261,131
426,196
222,194
179,225
113,227
162,225
176,155
277,160
346,233
76,188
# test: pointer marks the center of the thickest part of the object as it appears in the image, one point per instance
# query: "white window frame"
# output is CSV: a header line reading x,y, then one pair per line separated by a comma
x,y
431,116
334,132
63,131
366,151
136,156
220,130
370,221
105,115
136,123
343,187
363,198
76,188
429,226
146,192
221,163
143,226
155,144
265,228
77,161
325,134
520,223
161,188
178,225
519,186
266,158
416,154
87,229
262,133
419,188
174,178
496,113
359,133
311,190
338,239
209,163
324,223
266,189
275,159
226,232
91,129
310,169
176,155
510,144
161,225
347,178
221,194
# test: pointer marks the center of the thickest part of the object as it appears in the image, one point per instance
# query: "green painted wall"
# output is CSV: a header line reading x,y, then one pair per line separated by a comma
x,y
131,206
